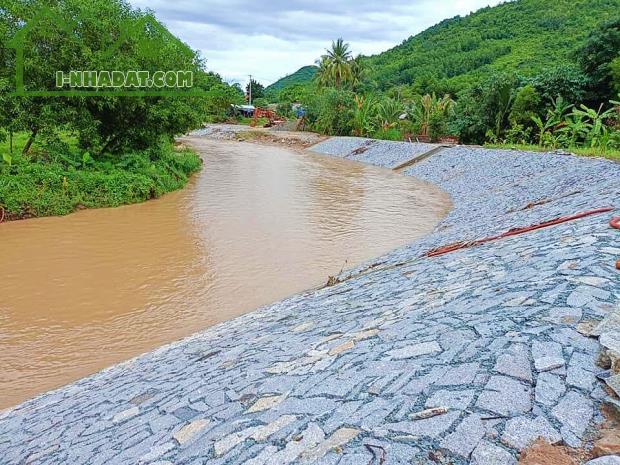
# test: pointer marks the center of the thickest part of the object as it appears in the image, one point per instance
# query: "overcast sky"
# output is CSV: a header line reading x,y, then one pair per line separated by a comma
x,y
272,38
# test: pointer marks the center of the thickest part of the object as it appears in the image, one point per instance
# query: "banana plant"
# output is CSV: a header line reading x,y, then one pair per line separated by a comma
x,y
598,132
7,158
574,130
365,108
554,121
543,127
429,106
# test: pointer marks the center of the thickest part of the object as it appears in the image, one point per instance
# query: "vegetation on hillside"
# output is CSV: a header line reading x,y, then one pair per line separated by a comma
x,y
63,152
524,37
570,105
303,75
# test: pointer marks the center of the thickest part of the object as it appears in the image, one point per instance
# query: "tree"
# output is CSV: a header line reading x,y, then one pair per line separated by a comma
x,y
220,97
595,58
483,110
564,81
48,48
615,73
388,112
526,105
358,72
363,115
431,114
11,113
336,66
107,123
331,112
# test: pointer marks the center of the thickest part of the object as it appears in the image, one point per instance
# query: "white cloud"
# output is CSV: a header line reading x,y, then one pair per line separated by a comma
x,y
274,38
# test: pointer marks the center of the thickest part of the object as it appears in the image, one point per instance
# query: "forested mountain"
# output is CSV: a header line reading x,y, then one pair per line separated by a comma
x,y
523,36
301,76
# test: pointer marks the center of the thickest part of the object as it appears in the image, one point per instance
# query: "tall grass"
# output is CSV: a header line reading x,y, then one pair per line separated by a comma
x,y
611,154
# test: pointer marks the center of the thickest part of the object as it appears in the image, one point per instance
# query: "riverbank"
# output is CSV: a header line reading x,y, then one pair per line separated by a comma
x,y
488,334
58,180
136,277
610,154
295,140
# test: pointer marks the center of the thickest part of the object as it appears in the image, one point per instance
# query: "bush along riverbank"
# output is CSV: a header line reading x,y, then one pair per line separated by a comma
x,y
59,178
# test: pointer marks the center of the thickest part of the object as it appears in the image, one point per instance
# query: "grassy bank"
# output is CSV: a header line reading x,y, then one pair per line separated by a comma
x,y
248,121
59,178
610,154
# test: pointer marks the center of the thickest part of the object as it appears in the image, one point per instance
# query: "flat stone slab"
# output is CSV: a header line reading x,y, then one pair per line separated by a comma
x,y
451,399
549,389
465,437
487,453
607,460
429,427
415,350
505,396
522,431
488,334
574,411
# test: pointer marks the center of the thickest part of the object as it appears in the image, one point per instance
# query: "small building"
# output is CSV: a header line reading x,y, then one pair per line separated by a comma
x,y
298,110
243,110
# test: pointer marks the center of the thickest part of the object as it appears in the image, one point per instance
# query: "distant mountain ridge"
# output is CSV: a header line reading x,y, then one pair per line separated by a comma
x,y
301,76
522,36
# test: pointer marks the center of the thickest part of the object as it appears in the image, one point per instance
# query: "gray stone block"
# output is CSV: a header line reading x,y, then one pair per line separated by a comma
x,y
505,396
549,388
522,431
465,437
487,453
574,412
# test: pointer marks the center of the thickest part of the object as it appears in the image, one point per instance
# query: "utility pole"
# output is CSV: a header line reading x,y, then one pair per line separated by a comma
x,y
250,87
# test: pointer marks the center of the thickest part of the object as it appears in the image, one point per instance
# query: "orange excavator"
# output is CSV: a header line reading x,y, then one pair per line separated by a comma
x,y
272,117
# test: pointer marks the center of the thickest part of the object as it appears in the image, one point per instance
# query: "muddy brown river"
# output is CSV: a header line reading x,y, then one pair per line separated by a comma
x,y
258,223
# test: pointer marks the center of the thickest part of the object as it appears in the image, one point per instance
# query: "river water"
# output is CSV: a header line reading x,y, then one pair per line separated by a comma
x,y
258,223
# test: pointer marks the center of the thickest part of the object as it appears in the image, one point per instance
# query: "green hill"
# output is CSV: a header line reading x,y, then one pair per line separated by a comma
x,y
523,36
301,76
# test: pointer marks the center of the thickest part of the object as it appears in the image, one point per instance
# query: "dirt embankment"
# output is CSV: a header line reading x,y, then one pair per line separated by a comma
x,y
268,136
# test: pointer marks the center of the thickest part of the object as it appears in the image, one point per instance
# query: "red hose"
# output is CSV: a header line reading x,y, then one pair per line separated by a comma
x,y
515,231
615,223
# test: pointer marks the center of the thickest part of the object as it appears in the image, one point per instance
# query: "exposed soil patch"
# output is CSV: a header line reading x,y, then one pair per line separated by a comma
x,y
608,442
543,453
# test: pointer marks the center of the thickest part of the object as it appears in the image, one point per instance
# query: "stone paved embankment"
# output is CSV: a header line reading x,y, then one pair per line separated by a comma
x,y
340,375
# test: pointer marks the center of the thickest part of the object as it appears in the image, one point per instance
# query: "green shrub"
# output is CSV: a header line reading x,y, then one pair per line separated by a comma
x,y
388,134
31,187
331,112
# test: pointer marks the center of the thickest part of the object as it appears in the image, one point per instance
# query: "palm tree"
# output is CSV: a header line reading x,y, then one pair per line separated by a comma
x,y
358,71
335,66
323,78
388,112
